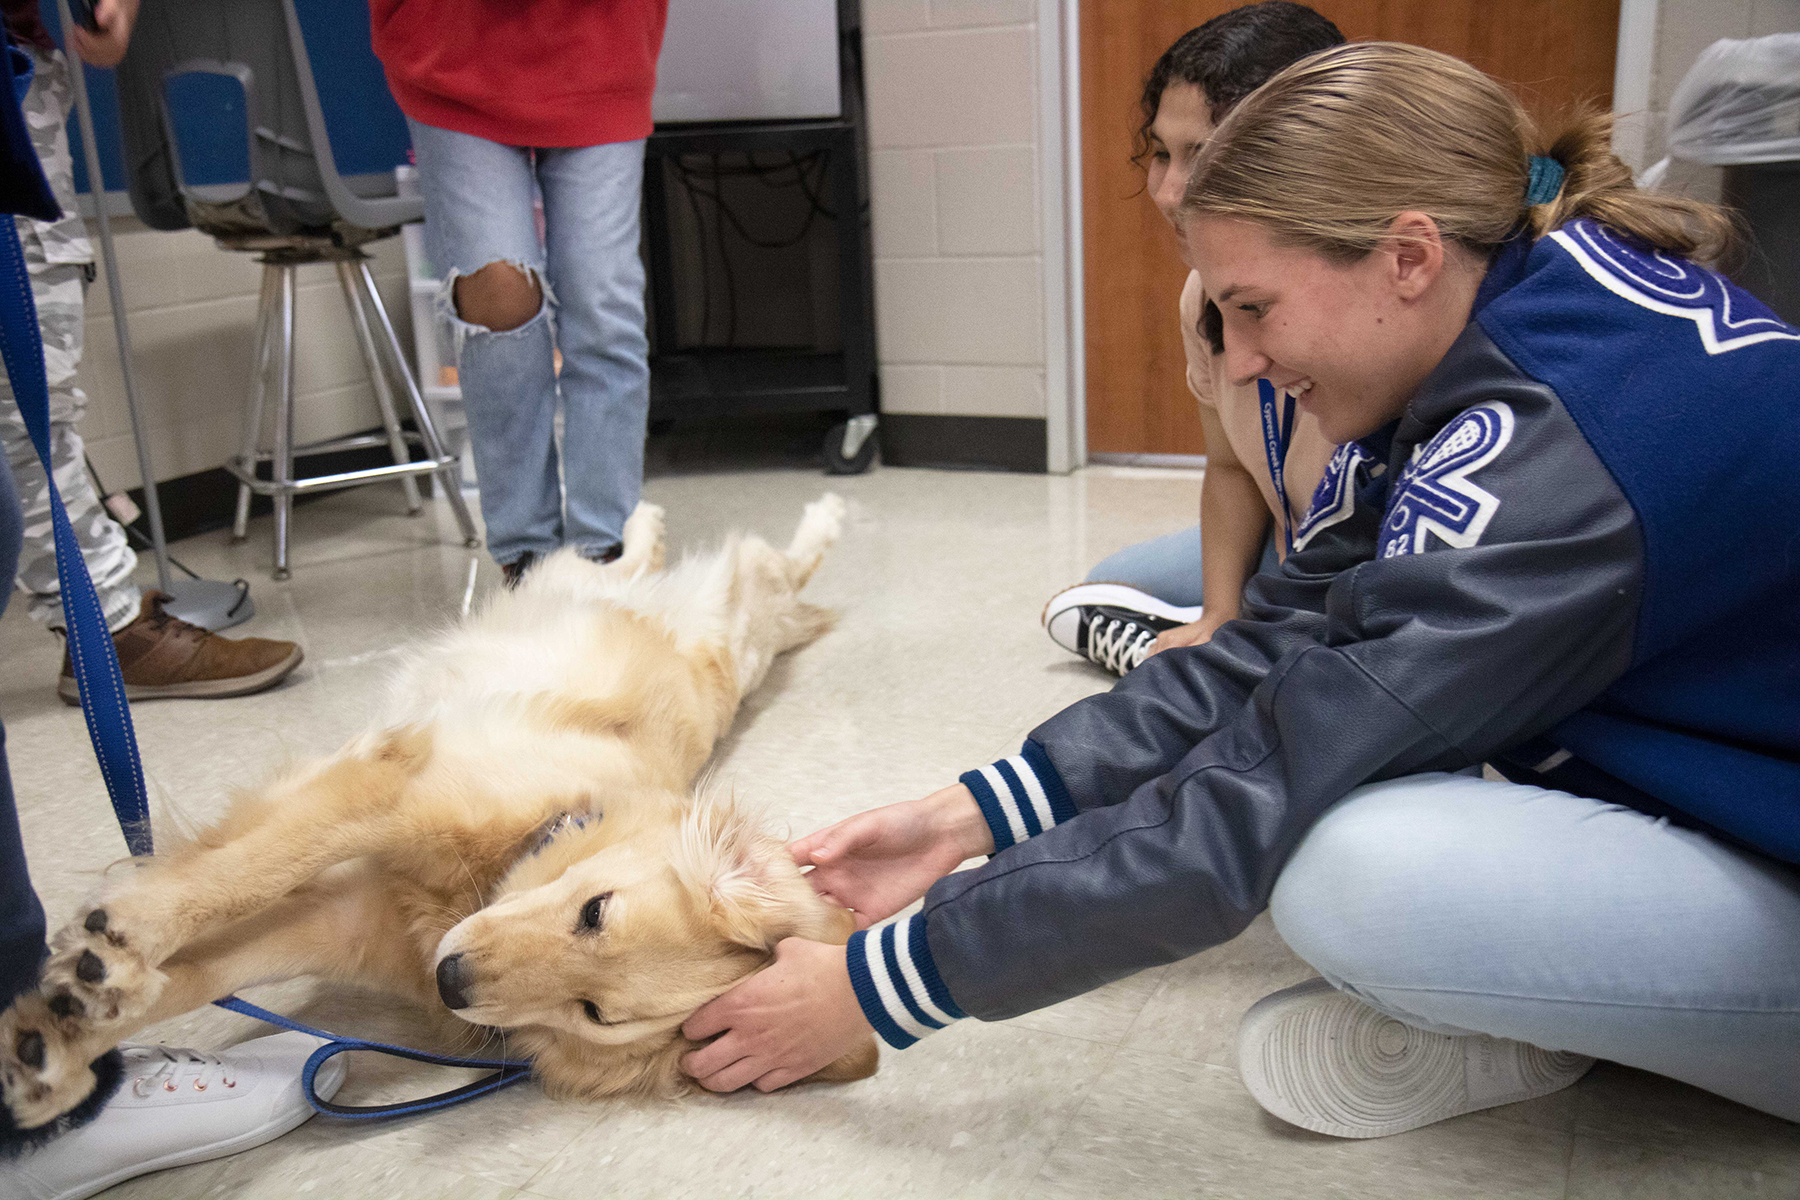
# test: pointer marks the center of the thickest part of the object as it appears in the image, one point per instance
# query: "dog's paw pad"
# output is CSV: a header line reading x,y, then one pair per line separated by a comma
x,y
67,1007
29,1046
94,979
44,1071
100,924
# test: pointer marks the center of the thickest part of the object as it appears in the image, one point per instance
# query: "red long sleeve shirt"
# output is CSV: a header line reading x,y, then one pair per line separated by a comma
x,y
523,72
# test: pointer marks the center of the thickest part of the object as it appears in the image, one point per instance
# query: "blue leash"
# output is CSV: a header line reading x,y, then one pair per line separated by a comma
x,y
91,653
505,1074
108,715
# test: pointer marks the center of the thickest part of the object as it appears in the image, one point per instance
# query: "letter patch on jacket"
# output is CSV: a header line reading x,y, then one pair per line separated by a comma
x,y
1669,285
1335,497
1434,494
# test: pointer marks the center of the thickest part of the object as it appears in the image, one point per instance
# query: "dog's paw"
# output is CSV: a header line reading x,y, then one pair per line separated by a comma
x,y
827,513
44,1069
98,978
643,536
819,528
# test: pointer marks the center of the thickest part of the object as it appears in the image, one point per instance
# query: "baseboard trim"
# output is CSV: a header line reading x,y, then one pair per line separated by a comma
x,y
992,443
1186,462
206,501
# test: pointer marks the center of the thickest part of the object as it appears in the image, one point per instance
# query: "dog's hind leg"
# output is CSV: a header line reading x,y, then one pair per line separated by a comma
x,y
104,975
820,527
764,613
643,540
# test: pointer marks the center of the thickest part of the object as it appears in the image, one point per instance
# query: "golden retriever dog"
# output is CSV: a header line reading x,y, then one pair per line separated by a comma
x,y
516,841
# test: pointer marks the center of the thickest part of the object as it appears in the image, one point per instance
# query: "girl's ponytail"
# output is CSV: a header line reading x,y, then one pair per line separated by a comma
x,y
1596,184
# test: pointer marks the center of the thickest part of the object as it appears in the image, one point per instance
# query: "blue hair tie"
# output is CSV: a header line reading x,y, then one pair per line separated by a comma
x,y
1546,180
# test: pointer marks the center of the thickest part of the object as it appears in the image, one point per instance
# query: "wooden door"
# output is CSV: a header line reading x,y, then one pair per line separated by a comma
x,y
1552,52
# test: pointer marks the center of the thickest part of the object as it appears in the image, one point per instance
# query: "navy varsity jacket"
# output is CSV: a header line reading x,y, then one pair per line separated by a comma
x,y
1576,555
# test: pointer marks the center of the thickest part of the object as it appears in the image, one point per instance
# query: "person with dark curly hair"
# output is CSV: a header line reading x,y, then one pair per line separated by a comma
x,y
1177,589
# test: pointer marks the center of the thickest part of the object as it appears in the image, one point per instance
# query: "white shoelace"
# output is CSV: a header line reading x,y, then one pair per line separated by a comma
x,y
171,1068
1120,645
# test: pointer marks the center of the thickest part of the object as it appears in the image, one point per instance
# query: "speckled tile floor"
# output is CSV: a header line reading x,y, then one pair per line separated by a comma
x,y
938,665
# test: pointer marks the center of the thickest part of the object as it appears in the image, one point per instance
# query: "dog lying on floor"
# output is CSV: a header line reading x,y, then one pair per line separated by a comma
x,y
515,841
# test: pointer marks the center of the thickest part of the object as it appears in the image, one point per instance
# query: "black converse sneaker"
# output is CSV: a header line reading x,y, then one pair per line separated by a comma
x,y
1110,624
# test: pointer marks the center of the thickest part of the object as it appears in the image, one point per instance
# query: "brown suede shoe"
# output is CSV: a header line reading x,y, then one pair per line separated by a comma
x,y
165,658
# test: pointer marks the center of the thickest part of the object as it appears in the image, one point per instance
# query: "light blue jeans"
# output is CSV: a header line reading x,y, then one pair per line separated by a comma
x,y
1461,905
1167,567
478,210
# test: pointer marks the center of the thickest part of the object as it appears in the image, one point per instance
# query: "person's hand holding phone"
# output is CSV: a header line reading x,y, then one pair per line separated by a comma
x,y
102,30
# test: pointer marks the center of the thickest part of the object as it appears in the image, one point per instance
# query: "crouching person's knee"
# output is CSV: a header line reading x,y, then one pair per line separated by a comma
x,y
500,296
1370,882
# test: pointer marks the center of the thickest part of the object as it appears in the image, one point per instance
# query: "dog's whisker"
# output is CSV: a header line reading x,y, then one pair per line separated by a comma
x,y
455,916
474,884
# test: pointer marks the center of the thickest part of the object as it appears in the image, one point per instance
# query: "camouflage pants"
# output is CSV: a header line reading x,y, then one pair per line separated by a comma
x,y
59,260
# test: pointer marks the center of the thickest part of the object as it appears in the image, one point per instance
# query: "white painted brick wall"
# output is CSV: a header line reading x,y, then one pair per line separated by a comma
x,y
959,289
192,309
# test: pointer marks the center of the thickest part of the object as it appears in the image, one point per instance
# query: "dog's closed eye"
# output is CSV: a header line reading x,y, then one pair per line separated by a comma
x,y
593,912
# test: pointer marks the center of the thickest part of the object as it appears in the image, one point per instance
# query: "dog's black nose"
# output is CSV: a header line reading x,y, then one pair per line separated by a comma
x,y
453,981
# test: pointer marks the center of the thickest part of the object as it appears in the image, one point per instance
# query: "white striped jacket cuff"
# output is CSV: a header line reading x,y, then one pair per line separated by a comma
x,y
897,984
1020,796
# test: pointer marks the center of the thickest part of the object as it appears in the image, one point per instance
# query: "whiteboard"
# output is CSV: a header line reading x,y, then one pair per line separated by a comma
x,y
748,60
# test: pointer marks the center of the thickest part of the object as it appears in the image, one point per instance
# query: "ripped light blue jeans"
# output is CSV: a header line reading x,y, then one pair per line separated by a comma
x,y
478,210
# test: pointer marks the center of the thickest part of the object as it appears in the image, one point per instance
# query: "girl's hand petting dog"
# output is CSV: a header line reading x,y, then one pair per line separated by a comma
x,y
878,862
799,1014
794,1017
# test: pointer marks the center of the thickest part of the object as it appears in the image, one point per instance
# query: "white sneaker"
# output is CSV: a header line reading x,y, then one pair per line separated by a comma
x,y
177,1107
1110,624
1327,1062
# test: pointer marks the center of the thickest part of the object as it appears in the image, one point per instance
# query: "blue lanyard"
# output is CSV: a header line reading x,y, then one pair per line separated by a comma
x,y
95,663
1275,444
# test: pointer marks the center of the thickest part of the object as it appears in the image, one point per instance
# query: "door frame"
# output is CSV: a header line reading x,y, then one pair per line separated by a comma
x,y
1059,202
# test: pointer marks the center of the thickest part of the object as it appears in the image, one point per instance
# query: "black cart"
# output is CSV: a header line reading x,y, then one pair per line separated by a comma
x,y
704,378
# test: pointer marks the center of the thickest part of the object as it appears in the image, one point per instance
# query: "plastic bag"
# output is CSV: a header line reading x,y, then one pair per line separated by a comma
x,y
1740,103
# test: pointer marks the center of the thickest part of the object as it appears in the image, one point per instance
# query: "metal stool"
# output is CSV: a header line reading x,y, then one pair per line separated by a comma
x,y
281,257
225,131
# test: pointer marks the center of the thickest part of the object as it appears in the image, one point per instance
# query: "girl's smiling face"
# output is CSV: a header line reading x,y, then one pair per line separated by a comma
x,y
1182,125
1351,342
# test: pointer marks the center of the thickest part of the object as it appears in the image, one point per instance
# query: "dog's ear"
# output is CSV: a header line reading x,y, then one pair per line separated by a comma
x,y
755,893
572,1069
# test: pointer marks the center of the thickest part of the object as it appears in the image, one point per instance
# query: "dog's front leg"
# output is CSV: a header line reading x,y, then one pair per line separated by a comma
x,y
104,977
350,926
